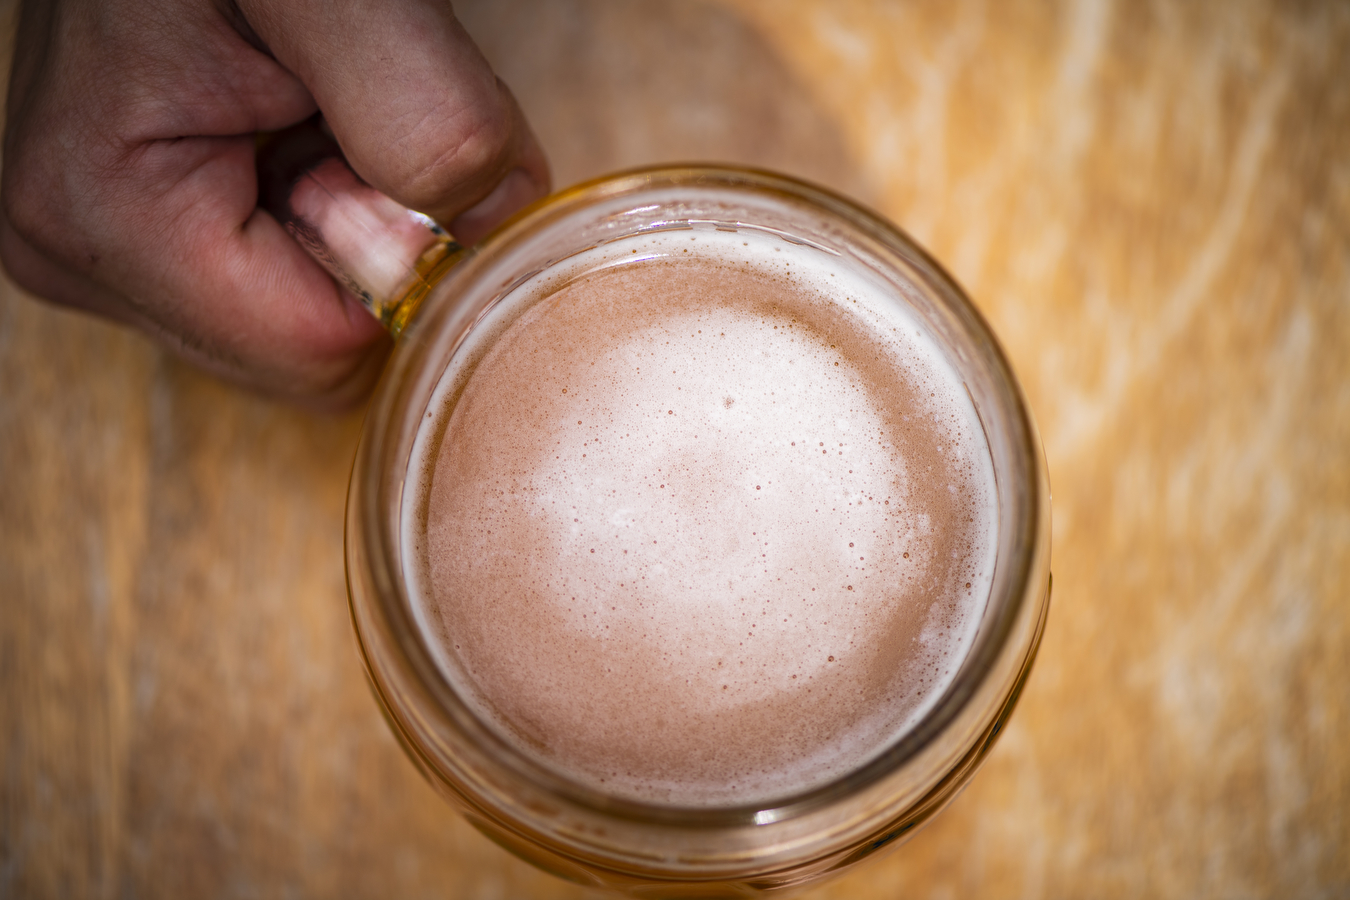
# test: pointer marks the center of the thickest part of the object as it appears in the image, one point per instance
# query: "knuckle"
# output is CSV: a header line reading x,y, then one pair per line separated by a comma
x,y
456,151
26,199
54,190
17,261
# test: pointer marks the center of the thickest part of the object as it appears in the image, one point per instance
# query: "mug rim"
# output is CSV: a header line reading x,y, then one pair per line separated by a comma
x,y
1031,532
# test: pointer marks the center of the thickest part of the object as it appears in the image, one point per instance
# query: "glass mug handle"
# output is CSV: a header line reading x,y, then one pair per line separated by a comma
x,y
387,255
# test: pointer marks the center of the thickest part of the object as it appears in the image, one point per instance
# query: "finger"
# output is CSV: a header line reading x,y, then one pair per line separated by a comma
x,y
112,206
244,296
338,387
413,104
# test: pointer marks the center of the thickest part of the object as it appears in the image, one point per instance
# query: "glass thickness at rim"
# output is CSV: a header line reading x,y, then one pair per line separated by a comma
x,y
872,237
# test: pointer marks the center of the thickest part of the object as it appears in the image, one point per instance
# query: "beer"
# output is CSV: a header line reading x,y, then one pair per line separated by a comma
x,y
700,518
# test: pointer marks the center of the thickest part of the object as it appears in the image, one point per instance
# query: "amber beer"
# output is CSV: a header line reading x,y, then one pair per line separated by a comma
x,y
699,522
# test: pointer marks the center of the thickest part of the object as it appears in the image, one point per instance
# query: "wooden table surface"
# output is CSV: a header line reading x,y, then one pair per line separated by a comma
x,y
1150,201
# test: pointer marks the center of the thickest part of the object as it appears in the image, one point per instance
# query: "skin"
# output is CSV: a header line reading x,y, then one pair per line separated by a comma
x,y
129,188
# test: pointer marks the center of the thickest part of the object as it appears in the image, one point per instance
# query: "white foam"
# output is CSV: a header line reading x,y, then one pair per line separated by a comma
x,y
691,557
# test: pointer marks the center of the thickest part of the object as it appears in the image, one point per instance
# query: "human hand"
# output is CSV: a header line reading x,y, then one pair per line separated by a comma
x,y
129,188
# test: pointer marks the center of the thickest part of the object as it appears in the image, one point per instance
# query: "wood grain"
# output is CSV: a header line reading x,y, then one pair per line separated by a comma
x,y
1151,202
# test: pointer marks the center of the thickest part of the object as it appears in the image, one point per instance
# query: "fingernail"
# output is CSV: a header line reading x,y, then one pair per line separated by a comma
x,y
516,191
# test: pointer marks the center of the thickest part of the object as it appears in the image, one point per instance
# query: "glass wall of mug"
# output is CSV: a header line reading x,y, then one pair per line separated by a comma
x,y
651,849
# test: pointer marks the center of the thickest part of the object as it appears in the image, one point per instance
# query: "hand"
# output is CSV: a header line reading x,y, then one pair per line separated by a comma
x,y
129,187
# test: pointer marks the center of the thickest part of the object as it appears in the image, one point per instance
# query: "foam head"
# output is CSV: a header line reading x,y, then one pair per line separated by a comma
x,y
702,519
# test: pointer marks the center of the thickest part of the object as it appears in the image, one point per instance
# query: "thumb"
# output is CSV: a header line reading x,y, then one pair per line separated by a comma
x,y
413,104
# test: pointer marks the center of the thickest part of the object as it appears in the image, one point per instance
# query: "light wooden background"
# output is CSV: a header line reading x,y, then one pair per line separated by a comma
x,y
1150,200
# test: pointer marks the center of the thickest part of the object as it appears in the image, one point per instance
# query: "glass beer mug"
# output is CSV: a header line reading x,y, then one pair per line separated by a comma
x,y
432,294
